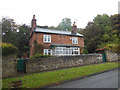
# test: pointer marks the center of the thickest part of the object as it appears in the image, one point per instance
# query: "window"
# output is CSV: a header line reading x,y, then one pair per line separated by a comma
x,y
47,38
59,50
75,51
47,52
66,51
75,40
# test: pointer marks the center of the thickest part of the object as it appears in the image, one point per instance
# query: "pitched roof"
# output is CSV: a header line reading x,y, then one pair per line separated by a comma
x,y
55,31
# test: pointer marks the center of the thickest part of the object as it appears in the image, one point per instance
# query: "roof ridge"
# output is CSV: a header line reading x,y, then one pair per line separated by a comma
x,y
46,30
54,29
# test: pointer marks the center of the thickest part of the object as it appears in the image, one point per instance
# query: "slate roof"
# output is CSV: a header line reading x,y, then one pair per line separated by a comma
x,y
44,30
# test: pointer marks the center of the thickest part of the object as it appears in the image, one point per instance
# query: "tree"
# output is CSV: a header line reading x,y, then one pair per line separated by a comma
x,y
115,19
22,39
111,31
65,24
91,37
18,35
98,33
9,30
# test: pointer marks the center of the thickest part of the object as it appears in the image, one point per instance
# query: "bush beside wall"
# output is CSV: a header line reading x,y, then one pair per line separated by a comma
x,y
8,49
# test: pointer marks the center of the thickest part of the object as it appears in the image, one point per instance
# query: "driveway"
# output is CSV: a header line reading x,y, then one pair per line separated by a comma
x,y
104,80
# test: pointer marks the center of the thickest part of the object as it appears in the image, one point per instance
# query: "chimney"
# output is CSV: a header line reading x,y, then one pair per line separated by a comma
x,y
33,23
74,28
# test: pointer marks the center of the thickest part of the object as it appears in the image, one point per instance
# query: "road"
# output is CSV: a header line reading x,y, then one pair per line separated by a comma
x,y
104,80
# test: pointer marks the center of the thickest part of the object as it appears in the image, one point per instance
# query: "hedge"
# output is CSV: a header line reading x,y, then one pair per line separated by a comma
x,y
40,55
8,49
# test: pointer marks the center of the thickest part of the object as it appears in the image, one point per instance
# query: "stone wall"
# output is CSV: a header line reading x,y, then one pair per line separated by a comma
x,y
111,56
43,64
9,68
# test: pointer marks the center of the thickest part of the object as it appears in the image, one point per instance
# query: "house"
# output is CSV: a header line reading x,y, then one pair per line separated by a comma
x,y
56,42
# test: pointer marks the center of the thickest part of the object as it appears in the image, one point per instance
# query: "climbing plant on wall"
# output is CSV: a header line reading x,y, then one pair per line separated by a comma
x,y
38,48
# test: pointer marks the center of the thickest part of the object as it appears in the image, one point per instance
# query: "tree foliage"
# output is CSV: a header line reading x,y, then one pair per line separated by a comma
x,y
22,39
91,36
103,31
65,24
9,30
18,35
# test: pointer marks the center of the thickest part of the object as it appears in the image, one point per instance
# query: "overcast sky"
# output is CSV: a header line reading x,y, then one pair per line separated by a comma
x,y
51,12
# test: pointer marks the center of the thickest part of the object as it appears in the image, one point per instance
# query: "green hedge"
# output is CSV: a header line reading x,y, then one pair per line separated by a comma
x,y
39,55
8,49
114,47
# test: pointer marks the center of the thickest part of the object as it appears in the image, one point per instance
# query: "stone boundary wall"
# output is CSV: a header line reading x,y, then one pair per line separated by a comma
x,y
9,64
57,62
112,56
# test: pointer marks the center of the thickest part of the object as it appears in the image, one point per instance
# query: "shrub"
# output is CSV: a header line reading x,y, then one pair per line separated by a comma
x,y
85,51
114,47
8,49
38,48
39,55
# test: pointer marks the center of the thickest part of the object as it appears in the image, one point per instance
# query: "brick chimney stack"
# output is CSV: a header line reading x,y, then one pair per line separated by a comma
x,y
74,28
33,23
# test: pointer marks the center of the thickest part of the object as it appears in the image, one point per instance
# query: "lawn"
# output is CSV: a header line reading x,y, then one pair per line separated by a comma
x,y
45,78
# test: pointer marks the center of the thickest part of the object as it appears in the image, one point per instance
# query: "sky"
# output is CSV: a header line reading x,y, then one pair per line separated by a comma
x,y
51,12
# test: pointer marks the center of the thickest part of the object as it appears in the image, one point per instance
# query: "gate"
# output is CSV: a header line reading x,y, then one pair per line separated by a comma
x,y
21,65
104,57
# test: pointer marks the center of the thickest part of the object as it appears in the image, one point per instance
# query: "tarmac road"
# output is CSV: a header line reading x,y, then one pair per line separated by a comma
x,y
104,80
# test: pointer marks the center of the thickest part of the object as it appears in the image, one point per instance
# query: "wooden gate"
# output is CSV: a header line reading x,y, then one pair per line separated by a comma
x,y
104,57
21,65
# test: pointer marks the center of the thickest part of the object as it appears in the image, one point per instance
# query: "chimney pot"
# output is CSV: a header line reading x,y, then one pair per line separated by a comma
x,y
74,28
33,23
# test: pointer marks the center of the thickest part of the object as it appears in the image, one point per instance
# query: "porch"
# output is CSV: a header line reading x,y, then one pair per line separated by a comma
x,y
62,49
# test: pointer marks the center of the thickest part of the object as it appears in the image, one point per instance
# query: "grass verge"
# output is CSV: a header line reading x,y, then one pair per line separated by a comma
x,y
45,78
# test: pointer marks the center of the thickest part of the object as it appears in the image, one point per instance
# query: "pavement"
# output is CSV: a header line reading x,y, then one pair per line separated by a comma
x,y
104,80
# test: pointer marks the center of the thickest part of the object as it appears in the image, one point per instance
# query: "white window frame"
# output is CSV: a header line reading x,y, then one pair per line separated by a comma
x,y
47,51
59,49
47,38
66,51
74,50
75,40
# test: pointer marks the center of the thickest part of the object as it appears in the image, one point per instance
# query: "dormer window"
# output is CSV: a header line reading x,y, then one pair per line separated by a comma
x,y
47,38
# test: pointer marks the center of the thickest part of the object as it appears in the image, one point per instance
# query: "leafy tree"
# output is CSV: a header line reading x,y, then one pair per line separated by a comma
x,y
91,37
115,19
22,39
111,32
65,24
18,35
102,32
9,30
